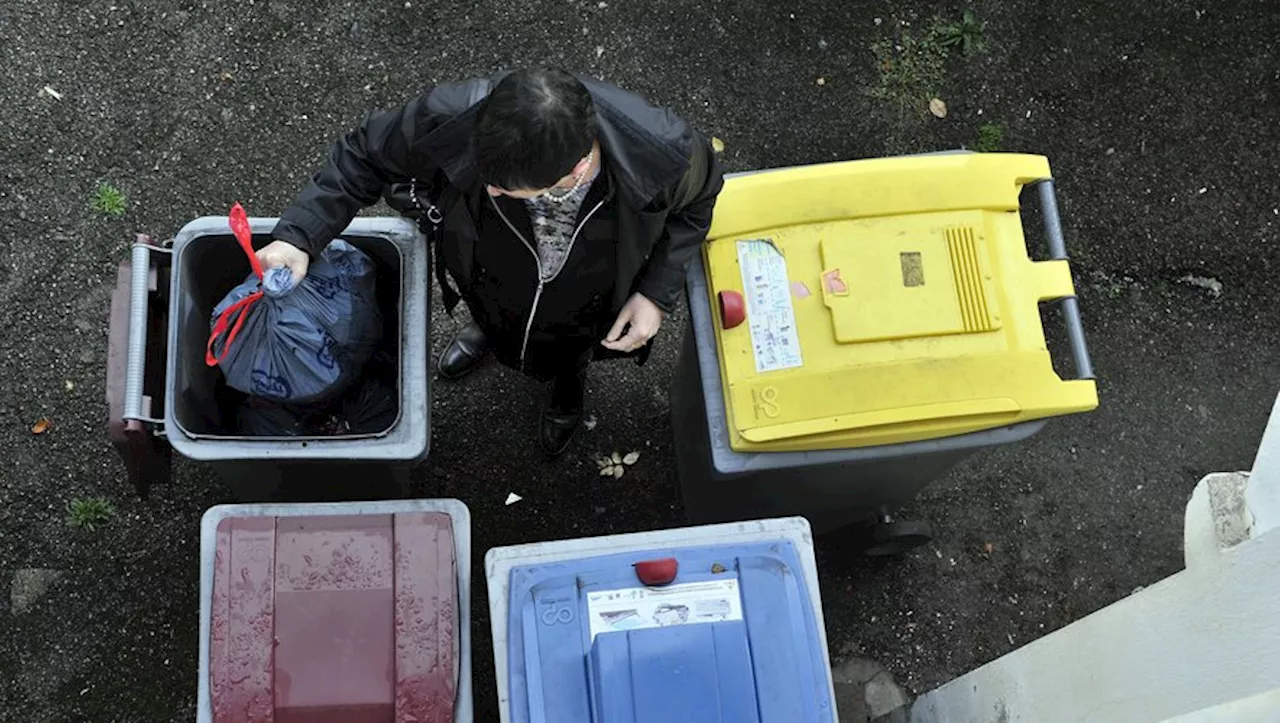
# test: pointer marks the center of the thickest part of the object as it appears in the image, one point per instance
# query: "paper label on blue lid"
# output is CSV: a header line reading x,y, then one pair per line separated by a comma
x,y
771,317
636,608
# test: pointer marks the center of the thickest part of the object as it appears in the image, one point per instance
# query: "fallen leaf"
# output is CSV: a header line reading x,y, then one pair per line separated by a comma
x,y
821,81
599,50
938,108
619,471
513,498
717,568
988,548
52,93
70,385
631,458
41,426
590,422
616,458
717,145
224,75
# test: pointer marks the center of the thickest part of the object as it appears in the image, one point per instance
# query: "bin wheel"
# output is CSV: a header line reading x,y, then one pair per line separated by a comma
x,y
898,537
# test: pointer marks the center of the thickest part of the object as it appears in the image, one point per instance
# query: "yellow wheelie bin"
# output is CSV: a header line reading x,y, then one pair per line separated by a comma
x,y
858,328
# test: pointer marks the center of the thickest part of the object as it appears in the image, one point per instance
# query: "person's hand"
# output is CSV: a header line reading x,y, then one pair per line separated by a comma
x,y
283,253
640,318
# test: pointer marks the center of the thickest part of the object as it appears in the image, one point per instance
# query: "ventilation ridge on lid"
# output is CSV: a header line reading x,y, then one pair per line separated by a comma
x,y
966,271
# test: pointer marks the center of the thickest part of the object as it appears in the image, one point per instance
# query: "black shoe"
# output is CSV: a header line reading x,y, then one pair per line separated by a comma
x,y
463,354
562,414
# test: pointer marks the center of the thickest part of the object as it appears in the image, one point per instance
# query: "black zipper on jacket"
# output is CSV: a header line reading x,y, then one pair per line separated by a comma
x,y
537,265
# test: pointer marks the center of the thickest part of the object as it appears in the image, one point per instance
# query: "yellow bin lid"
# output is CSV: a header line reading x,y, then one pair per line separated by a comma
x,y
886,301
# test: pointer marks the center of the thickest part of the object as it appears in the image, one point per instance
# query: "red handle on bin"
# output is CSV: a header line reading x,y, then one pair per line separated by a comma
x,y
239,222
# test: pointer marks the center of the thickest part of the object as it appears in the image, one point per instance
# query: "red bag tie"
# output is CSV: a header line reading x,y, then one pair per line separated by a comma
x,y
240,310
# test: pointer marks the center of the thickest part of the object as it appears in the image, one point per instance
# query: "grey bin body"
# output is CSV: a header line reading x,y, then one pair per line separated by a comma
x,y
207,263
832,488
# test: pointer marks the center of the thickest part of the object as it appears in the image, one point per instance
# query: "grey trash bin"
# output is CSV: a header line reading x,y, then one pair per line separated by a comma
x,y
832,486
197,409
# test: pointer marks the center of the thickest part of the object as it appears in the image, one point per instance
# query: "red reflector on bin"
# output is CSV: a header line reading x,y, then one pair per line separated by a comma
x,y
733,309
334,618
657,572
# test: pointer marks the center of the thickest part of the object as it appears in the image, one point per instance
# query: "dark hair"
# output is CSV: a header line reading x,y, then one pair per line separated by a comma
x,y
533,128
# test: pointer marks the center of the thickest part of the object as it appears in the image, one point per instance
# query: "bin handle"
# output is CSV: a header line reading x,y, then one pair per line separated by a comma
x,y
136,352
1070,305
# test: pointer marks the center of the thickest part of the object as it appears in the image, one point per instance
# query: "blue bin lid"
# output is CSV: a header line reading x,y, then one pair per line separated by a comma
x,y
732,639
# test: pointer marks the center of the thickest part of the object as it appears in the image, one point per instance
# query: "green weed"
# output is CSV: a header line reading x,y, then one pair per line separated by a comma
x,y
88,513
990,138
913,65
109,200
911,70
968,34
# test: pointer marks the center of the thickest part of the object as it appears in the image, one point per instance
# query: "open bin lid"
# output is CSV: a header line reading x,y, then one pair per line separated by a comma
x,y
883,301
733,638
353,612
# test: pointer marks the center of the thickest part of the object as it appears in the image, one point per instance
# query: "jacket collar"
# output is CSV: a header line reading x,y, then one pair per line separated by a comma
x,y
647,147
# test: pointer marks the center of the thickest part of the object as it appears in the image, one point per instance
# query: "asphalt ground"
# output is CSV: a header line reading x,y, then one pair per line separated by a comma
x,y
1158,119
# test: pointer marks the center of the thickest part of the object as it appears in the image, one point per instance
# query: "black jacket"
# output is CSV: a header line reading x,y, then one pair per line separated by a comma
x,y
665,175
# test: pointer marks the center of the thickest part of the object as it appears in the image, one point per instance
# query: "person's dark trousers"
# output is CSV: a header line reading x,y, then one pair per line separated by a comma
x,y
562,413
562,410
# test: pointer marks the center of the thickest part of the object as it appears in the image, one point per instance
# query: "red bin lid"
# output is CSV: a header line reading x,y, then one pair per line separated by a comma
x,y
328,619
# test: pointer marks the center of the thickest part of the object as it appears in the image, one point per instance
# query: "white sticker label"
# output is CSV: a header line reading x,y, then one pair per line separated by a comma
x,y
770,316
636,608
